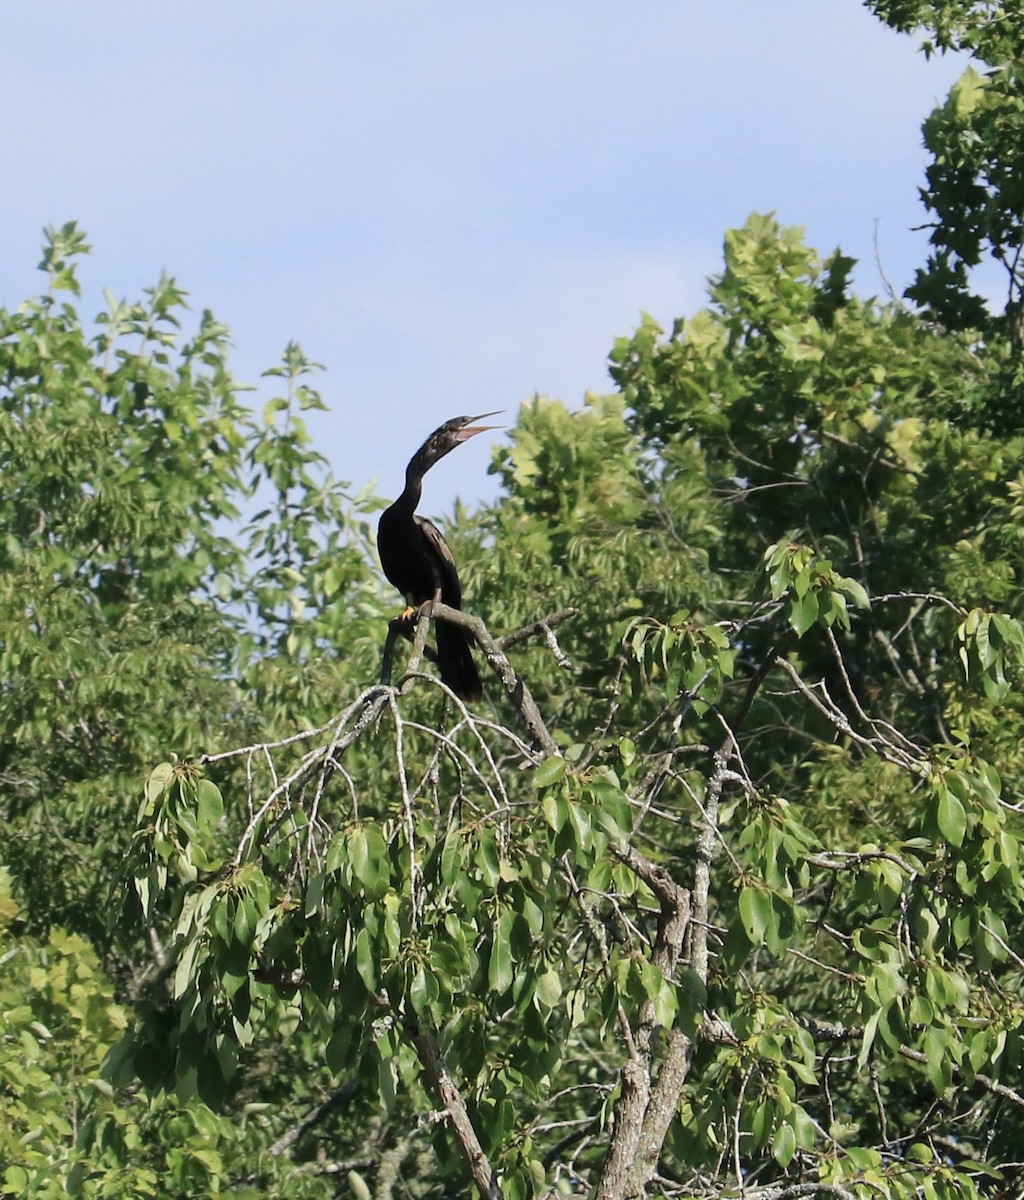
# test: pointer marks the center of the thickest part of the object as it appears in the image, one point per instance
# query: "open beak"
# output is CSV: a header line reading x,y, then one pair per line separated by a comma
x,y
470,430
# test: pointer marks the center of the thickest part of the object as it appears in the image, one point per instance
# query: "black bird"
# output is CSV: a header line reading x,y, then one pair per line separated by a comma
x,y
417,560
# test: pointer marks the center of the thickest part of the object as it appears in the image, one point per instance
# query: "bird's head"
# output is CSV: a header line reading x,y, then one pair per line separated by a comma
x,y
461,429
449,435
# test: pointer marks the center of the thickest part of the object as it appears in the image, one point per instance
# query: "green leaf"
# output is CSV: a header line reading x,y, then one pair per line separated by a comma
x,y
555,809
755,912
579,819
368,857
550,771
366,960
803,612
211,805
358,1186
784,1145
451,856
938,1068
423,991
950,816
549,989
856,592
499,963
245,918
159,778
487,857
314,894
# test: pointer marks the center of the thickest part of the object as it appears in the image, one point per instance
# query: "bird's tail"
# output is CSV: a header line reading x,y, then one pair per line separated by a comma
x,y
455,660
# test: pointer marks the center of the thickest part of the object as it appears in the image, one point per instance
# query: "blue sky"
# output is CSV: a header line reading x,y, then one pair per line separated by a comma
x,y
451,205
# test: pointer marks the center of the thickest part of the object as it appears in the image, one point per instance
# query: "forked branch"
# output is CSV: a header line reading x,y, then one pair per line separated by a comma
x,y
515,686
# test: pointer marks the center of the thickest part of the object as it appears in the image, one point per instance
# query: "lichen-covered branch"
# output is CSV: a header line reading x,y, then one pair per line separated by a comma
x,y
455,1107
515,686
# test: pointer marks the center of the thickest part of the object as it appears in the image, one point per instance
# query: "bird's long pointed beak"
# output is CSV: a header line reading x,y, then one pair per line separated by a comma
x,y
470,430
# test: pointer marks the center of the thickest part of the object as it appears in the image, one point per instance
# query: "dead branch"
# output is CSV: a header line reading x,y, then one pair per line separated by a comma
x,y
544,625
455,1109
515,687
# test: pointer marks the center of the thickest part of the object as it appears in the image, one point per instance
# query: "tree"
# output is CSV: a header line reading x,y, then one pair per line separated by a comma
x,y
142,614
741,910
129,460
973,186
717,891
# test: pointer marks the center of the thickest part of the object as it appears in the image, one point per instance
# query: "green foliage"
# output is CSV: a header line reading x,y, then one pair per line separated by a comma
x,y
813,590
737,905
148,607
682,656
515,919
987,28
973,189
128,460
990,642
65,1131
403,886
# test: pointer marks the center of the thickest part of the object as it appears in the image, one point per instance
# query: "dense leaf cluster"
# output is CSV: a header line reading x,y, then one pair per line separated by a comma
x,y
719,888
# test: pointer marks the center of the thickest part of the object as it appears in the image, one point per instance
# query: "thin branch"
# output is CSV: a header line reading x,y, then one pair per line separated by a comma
x,y
883,746
544,625
934,597
436,1069
986,1081
737,1158
315,1116
835,1031
597,933
874,453
515,687
415,878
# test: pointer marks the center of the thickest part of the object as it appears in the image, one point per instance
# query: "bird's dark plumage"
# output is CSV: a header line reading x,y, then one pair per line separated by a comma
x,y
417,560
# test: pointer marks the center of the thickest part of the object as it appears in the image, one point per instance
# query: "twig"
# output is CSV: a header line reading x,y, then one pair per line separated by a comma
x,y
986,1081
415,878
316,1116
828,708
875,454
515,686
835,1031
544,625
737,1159
932,596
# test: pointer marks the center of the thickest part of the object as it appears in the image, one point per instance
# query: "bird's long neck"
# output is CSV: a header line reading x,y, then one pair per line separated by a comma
x,y
410,497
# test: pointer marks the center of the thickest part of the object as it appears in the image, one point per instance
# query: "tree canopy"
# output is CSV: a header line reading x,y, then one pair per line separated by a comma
x,y
717,891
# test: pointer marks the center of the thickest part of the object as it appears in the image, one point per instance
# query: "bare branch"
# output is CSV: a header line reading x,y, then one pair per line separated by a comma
x,y
934,597
544,626
315,1116
455,1109
515,687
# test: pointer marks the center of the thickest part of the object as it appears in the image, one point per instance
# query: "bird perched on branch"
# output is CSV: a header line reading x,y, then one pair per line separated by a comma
x,y
417,560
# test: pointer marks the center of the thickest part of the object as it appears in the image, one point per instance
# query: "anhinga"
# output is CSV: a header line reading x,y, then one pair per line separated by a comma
x,y
416,558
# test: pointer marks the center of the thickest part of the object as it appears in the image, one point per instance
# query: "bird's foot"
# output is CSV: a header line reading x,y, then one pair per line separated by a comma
x,y
426,609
